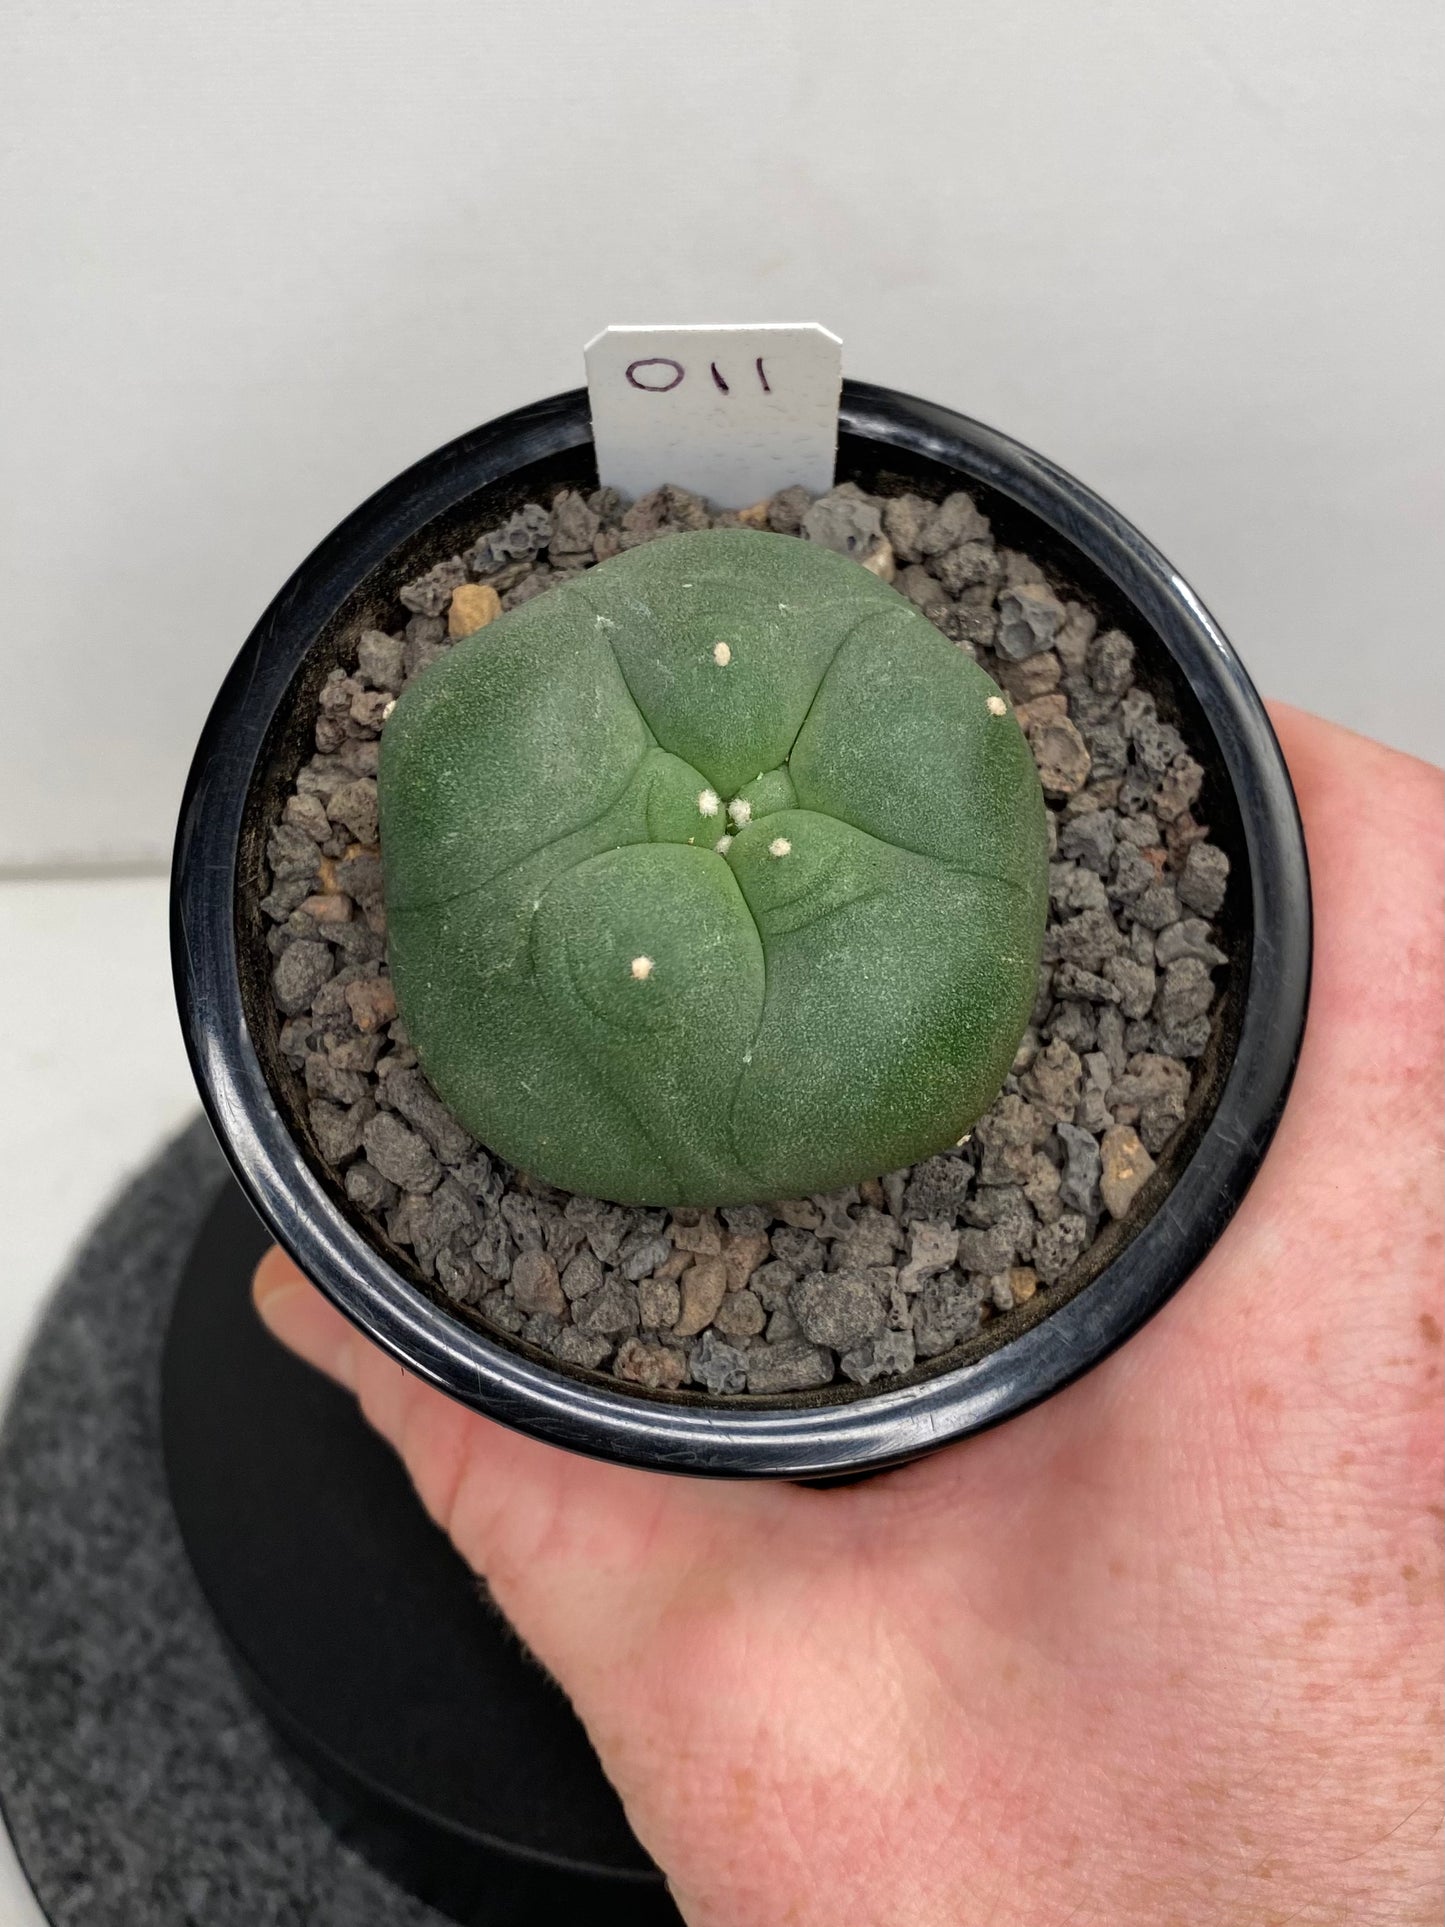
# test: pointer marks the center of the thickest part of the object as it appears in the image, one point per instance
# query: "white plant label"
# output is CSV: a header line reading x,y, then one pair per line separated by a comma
x,y
733,413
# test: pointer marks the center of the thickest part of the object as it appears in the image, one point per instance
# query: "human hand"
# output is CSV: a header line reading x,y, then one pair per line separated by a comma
x,y
1163,1650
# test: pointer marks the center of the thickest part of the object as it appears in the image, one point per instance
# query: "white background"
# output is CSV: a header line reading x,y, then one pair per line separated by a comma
x,y
256,257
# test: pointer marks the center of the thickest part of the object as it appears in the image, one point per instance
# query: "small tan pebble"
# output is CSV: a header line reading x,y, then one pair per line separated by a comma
x,y
755,516
660,1303
674,1265
331,907
473,606
871,1192
372,1003
1127,1165
1050,708
780,846
1028,680
696,1231
997,706
742,1253
880,560
657,1368
703,1286
1061,756
1014,1287
1023,1282
1072,641
642,968
722,654
388,709
535,1284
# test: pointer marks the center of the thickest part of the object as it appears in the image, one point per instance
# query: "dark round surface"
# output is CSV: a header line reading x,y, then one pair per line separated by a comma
x,y
352,578
357,1627
138,1782
138,1779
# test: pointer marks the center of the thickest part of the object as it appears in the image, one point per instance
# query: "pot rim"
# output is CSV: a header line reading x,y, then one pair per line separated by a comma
x,y
744,1438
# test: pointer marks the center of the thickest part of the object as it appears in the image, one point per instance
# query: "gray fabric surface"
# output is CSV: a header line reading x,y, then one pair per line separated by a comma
x,y
140,1787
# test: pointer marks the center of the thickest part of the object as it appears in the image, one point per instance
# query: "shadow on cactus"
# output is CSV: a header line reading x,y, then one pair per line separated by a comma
x,y
714,875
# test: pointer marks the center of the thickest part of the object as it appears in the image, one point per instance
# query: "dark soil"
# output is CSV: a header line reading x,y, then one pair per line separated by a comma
x,y
867,1283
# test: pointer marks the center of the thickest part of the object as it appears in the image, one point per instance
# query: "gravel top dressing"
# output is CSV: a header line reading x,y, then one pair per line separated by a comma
x,y
866,1283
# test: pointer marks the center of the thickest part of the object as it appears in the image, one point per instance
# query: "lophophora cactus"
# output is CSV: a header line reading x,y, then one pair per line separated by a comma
x,y
714,875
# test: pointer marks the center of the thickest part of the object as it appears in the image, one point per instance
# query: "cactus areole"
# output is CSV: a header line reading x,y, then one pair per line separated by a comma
x,y
716,874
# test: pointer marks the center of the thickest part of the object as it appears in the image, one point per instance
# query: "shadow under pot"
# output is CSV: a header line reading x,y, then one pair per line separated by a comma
x,y
1157,1062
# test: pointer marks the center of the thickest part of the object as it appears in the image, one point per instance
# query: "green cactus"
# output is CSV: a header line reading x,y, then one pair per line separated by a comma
x,y
715,874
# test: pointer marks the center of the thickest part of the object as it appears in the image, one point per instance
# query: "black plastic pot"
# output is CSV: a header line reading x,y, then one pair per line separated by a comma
x,y
257,735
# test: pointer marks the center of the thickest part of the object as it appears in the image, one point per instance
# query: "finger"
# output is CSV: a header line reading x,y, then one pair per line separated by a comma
x,y
429,1431
566,1543
293,1311
433,1433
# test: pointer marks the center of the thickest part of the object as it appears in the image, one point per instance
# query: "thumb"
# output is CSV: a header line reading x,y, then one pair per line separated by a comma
x,y
569,1547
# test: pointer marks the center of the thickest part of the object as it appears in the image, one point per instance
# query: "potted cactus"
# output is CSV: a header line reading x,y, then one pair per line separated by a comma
x,y
686,1048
